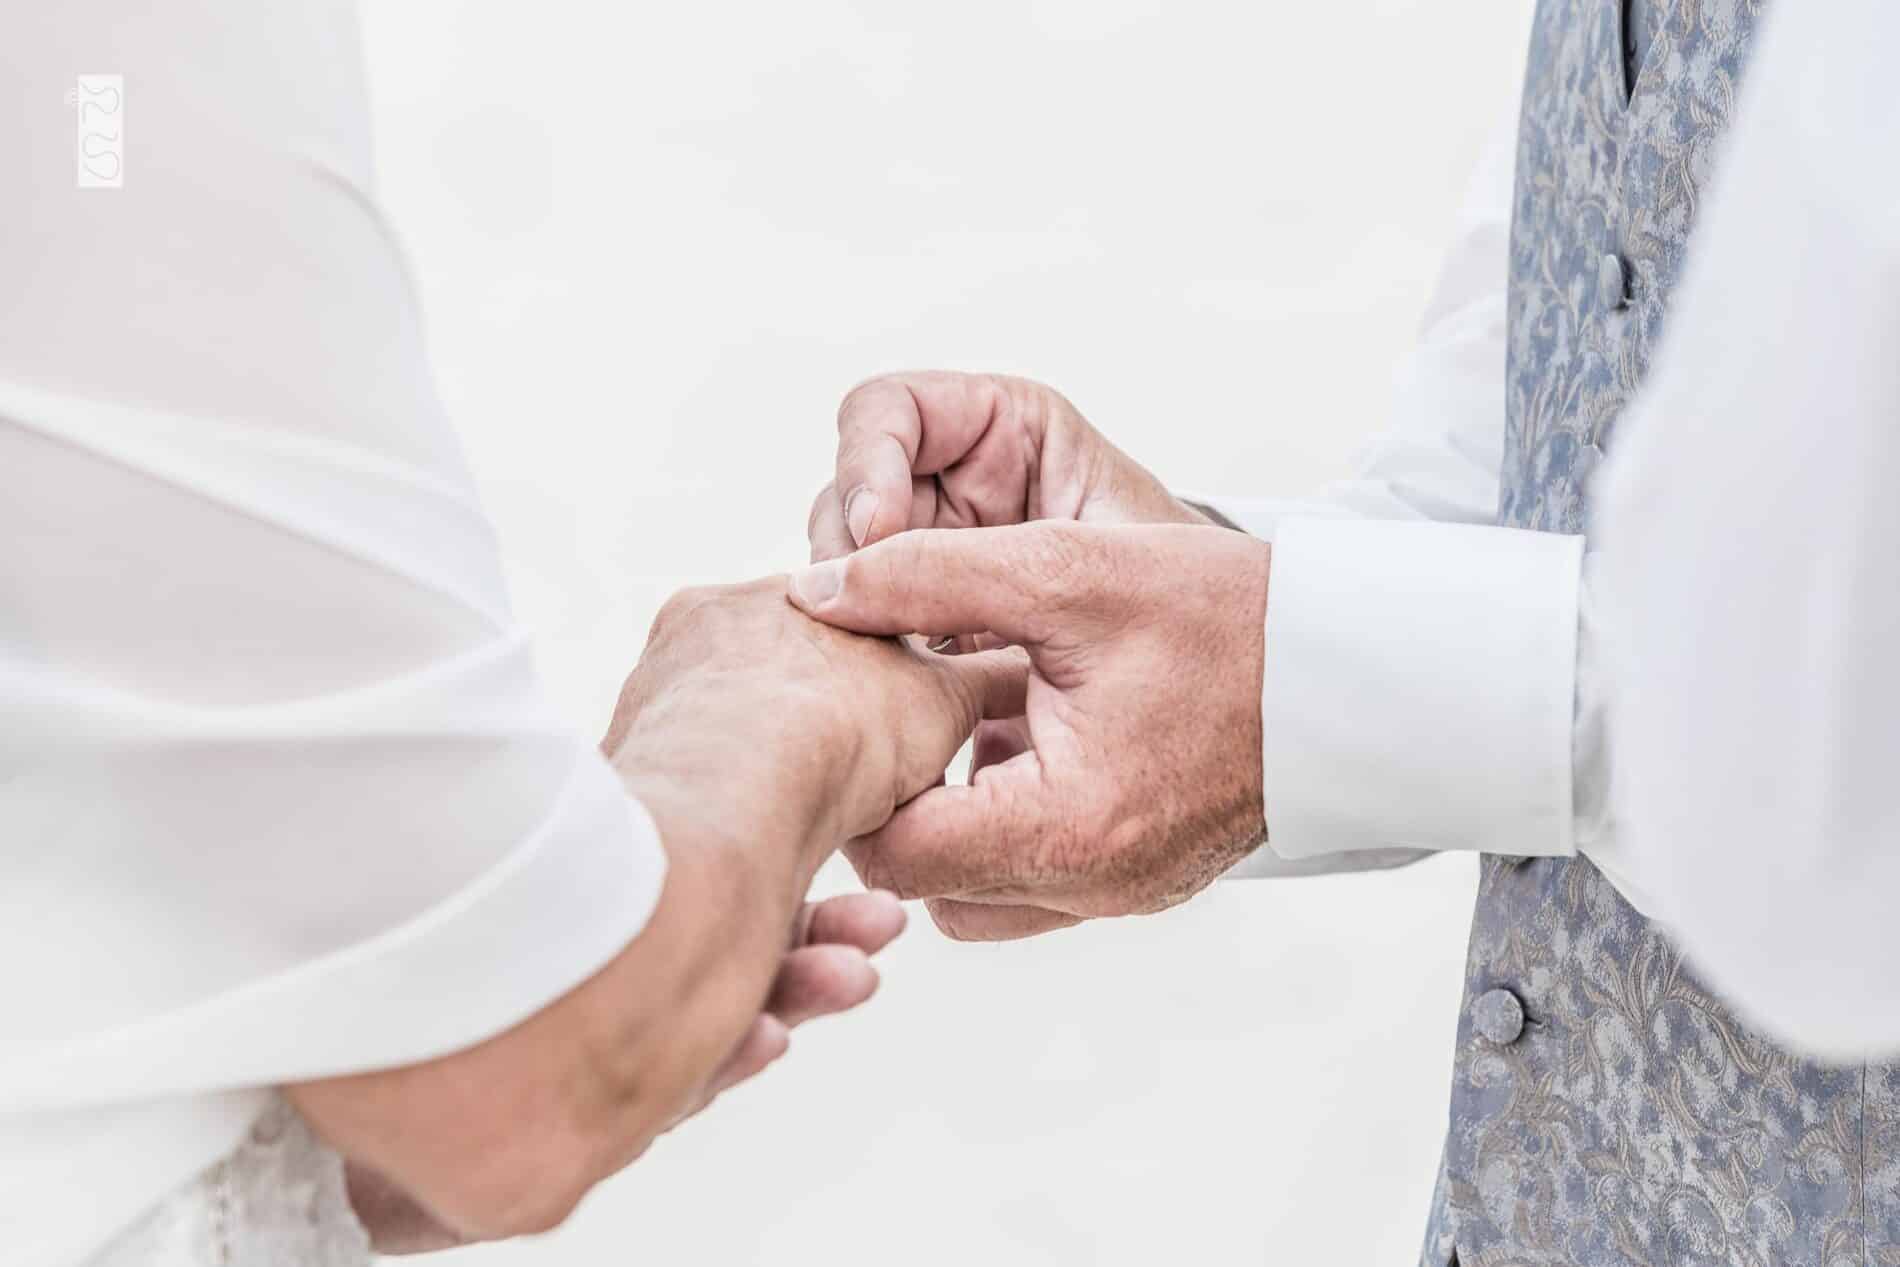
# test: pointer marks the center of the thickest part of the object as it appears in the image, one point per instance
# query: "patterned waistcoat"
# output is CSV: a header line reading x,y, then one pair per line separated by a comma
x,y
1607,1110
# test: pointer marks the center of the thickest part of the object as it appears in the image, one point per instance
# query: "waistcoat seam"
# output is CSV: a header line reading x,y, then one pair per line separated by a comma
x,y
1861,1195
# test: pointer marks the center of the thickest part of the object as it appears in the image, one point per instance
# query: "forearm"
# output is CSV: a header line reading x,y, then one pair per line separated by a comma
x,y
498,1140
756,741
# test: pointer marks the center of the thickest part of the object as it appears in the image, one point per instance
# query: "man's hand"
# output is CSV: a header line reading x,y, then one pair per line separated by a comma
x,y
945,450
1133,777
758,740
938,449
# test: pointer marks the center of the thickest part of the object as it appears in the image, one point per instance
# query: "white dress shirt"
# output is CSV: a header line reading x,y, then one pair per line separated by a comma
x,y
1436,683
280,793
1751,552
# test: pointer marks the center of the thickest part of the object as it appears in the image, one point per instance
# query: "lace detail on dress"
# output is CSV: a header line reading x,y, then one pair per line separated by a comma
x,y
278,1201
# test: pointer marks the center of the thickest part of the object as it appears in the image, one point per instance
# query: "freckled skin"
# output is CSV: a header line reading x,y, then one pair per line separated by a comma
x,y
1132,778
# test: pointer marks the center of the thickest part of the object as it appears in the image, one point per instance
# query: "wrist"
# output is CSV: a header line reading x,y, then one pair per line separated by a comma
x,y
763,800
738,832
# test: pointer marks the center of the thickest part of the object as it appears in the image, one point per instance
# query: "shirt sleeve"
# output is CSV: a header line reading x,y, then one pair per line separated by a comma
x,y
1749,525
1421,679
282,794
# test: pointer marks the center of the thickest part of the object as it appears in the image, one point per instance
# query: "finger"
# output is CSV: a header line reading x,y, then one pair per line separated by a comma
x,y
955,840
817,981
998,741
959,692
976,921
825,526
997,682
764,1042
898,427
963,644
868,921
1015,582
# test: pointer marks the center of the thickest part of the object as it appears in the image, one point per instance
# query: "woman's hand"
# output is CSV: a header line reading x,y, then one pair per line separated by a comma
x,y
826,970
759,741
742,706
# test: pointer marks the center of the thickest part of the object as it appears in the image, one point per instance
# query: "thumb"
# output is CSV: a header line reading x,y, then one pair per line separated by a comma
x,y
1015,582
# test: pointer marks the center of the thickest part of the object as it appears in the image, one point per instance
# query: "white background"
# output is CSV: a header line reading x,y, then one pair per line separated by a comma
x,y
657,243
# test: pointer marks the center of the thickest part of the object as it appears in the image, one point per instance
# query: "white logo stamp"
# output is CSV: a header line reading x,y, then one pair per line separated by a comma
x,y
99,146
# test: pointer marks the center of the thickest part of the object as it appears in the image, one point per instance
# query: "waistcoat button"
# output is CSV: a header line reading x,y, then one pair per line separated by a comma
x,y
1613,286
1498,1016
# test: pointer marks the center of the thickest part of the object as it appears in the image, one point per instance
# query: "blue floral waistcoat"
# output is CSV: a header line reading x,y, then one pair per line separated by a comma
x,y
1607,1110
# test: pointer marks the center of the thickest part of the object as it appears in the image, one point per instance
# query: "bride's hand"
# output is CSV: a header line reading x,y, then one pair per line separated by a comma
x,y
758,740
826,970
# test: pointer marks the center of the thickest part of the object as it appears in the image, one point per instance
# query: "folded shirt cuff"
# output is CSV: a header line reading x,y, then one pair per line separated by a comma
x,y
1419,688
1255,516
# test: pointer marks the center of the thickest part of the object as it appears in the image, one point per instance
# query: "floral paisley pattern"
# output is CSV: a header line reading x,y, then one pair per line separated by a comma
x,y
1635,1120
1607,168
1632,1119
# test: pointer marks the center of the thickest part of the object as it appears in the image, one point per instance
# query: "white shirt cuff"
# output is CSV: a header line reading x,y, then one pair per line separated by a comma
x,y
1419,688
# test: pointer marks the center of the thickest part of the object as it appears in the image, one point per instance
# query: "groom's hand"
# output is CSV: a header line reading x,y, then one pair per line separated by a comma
x,y
935,449
1136,774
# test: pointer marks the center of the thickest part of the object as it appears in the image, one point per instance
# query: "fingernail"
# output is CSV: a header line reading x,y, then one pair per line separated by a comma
x,y
860,508
817,585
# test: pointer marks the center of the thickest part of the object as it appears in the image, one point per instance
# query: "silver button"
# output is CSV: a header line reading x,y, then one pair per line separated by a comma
x,y
1498,1016
1613,282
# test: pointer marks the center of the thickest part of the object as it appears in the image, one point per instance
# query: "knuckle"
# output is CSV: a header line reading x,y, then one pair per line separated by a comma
x,y
819,505
1027,402
878,873
871,864
953,920
864,395
885,575
680,608
937,561
1063,558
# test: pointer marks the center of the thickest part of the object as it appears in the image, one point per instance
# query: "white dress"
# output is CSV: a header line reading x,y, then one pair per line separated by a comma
x,y
278,1200
281,795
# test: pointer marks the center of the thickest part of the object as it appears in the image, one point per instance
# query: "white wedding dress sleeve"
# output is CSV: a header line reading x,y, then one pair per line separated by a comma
x,y
281,794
